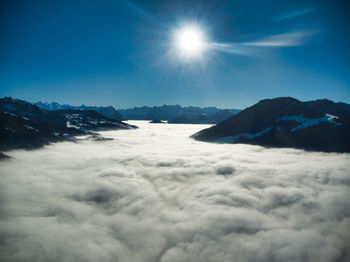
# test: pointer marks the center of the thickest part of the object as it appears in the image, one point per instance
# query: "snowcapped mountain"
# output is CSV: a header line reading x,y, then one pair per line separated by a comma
x,y
287,122
107,111
25,125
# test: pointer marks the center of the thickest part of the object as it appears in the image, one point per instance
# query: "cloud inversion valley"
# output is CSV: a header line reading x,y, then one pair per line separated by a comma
x,y
154,194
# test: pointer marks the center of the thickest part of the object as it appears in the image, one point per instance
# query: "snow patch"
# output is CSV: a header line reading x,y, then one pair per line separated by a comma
x,y
232,139
73,121
305,122
11,114
70,125
31,128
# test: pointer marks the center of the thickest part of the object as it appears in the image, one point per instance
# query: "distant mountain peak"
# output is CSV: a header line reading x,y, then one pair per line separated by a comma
x,y
107,111
170,112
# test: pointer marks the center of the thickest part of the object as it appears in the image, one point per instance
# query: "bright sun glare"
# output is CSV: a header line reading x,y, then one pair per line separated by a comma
x,y
189,41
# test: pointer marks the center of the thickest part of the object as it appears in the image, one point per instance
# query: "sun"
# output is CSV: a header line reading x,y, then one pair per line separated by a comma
x,y
189,41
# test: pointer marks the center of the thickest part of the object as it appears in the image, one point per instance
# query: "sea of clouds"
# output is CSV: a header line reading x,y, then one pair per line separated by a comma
x,y
154,194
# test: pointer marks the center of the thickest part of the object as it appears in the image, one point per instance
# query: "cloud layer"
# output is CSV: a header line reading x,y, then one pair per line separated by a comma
x,y
153,194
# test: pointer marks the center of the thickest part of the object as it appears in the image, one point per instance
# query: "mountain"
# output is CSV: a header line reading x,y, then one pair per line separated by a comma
x,y
25,125
189,114
216,118
107,111
157,121
326,106
169,112
287,122
221,116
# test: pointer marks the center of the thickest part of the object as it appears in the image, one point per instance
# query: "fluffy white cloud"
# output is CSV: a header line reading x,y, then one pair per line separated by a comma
x,y
154,194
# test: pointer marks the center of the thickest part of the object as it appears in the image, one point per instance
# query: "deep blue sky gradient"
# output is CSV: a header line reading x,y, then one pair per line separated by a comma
x,y
115,52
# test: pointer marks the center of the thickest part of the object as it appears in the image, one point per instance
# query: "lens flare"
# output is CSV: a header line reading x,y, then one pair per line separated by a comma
x,y
189,41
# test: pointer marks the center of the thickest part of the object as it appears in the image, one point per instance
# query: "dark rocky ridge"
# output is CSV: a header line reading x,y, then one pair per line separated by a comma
x,y
25,125
287,122
157,121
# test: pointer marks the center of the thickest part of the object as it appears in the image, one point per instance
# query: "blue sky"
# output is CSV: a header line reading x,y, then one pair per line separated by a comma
x,y
119,52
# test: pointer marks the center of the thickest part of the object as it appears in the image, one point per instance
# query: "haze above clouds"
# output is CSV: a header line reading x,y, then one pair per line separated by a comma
x,y
154,194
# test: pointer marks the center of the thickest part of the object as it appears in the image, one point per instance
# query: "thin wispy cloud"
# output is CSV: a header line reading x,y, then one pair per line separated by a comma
x,y
296,13
257,47
232,48
295,38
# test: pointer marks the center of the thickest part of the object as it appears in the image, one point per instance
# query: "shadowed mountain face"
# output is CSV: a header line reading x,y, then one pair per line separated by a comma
x,y
24,125
107,111
287,122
